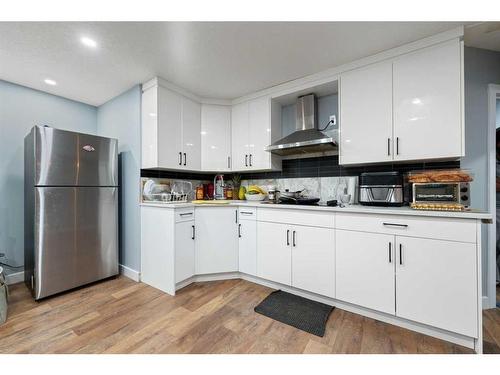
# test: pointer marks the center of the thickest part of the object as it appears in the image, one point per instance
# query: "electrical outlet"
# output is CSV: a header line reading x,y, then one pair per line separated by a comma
x,y
333,120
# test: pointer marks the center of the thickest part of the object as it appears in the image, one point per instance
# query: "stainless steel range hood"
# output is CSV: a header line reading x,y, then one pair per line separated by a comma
x,y
306,138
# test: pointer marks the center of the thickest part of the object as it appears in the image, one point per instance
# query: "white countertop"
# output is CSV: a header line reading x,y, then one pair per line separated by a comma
x,y
472,214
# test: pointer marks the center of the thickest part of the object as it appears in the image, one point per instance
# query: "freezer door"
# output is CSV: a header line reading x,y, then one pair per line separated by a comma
x,y
76,237
64,158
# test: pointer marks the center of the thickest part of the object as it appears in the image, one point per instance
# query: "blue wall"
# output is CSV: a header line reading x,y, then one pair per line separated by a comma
x,y
121,118
20,109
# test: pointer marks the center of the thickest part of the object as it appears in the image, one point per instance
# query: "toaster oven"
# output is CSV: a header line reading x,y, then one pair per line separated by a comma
x,y
441,193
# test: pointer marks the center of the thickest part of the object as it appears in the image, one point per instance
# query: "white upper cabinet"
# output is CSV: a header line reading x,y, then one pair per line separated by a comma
x,y
251,134
215,137
366,110
427,103
171,125
407,108
191,138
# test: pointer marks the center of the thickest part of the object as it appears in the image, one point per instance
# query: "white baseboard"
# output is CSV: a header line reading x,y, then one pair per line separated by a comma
x,y
14,278
130,273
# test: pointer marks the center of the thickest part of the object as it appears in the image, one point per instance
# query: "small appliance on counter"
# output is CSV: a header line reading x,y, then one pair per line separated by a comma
x,y
219,187
441,190
381,189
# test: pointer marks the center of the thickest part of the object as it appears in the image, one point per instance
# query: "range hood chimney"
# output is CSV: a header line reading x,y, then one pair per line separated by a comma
x,y
306,138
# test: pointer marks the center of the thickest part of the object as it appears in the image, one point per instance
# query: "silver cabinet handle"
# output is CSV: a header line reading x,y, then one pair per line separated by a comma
x,y
246,213
229,162
185,158
400,254
293,238
388,147
250,159
395,225
390,252
397,145
186,214
236,216
192,237
246,160
180,158
239,230
288,237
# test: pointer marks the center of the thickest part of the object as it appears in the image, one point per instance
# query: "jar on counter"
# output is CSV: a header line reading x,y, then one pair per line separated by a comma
x,y
229,191
200,195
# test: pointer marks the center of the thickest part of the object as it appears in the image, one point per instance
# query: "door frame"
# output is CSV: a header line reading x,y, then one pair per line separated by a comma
x,y
493,94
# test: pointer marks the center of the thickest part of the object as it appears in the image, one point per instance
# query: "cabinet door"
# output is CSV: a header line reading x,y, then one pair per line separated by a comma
x,y
169,129
313,260
427,103
149,128
239,137
247,245
259,118
274,256
215,137
191,138
366,115
216,240
157,249
184,250
364,269
436,284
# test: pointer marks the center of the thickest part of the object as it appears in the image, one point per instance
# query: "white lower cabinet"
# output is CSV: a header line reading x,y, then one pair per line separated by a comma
x,y
216,240
365,270
274,254
436,284
299,256
313,259
184,250
247,246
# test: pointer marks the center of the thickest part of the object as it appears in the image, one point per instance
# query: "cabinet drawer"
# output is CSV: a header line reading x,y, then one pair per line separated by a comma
x,y
247,213
184,214
297,217
428,227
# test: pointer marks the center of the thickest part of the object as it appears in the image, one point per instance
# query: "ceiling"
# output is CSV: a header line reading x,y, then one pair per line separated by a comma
x,y
211,59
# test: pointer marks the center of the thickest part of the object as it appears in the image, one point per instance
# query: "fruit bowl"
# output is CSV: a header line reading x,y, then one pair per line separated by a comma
x,y
255,197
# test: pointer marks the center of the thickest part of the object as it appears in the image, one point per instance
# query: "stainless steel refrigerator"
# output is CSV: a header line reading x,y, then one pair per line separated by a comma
x,y
70,209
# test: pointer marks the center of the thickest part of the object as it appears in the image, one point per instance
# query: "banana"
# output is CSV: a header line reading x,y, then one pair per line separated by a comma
x,y
256,189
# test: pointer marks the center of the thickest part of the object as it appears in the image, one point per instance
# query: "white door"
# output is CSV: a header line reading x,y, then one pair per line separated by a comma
x,y
436,284
427,103
313,260
259,115
239,137
216,240
184,250
366,115
169,129
149,128
215,137
247,244
191,137
274,256
364,269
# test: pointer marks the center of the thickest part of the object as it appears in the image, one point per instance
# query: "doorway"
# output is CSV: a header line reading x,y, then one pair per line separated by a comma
x,y
493,271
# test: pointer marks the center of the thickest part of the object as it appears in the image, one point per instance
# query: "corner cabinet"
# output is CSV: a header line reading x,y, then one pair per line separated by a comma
x,y
407,108
252,132
215,138
171,126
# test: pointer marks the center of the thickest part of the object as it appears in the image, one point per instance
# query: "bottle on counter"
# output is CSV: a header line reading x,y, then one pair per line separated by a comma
x,y
228,190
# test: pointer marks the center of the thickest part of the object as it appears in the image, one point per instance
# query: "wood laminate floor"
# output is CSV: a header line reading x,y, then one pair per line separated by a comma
x,y
122,316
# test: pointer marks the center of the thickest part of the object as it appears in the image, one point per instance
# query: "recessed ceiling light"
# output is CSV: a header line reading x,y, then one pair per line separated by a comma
x,y
88,42
49,81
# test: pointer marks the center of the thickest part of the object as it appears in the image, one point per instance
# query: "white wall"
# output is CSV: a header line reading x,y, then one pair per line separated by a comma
x,y
20,109
121,118
482,67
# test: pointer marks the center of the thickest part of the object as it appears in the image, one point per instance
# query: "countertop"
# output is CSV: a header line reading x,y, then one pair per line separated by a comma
x,y
471,214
